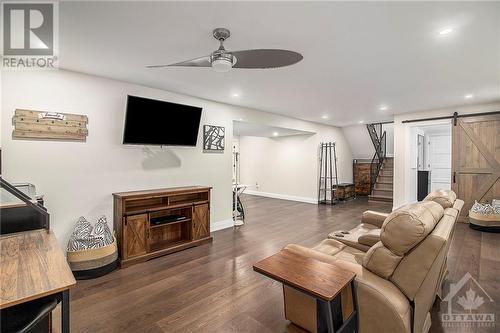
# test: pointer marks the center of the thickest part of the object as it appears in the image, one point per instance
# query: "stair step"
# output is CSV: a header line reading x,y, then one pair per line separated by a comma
x,y
379,198
382,192
385,179
383,186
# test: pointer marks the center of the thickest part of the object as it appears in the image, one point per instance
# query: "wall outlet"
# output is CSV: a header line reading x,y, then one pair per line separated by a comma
x,y
256,185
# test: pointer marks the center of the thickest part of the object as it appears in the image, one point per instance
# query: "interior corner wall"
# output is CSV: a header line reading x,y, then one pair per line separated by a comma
x,y
78,178
402,152
389,135
359,141
287,167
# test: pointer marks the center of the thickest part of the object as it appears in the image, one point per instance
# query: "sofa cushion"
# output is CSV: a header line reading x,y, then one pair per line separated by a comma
x,y
329,246
330,249
451,212
446,198
101,232
80,235
381,261
370,237
374,218
458,205
414,267
351,237
409,225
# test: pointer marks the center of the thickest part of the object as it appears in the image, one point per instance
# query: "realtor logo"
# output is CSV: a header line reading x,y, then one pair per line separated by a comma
x,y
29,35
467,305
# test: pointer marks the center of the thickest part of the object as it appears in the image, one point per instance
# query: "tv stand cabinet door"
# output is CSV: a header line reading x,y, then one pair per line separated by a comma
x,y
135,235
201,221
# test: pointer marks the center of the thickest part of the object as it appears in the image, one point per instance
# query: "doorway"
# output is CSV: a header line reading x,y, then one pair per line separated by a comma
x,y
430,159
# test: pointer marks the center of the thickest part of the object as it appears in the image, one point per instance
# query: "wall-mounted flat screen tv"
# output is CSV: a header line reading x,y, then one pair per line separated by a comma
x,y
154,122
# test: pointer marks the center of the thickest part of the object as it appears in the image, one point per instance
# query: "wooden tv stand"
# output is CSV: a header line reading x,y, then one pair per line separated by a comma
x,y
153,223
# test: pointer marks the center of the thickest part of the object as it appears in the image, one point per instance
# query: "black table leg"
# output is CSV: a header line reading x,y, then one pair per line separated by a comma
x,y
240,204
65,311
330,318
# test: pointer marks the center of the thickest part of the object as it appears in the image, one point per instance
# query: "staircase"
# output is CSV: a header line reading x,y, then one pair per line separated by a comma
x,y
381,166
382,189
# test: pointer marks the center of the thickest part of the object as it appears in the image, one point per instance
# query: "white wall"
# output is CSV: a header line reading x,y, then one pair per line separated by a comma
x,y
287,167
360,143
389,134
402,137
78,178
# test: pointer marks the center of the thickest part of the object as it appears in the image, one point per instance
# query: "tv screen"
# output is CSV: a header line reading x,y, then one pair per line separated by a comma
x,y
154,122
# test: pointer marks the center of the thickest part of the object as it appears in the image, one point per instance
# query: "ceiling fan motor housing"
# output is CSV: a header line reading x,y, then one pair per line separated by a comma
x,y
222,61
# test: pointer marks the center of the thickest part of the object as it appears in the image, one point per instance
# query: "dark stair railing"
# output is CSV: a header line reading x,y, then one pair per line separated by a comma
x,y
379,140
30,216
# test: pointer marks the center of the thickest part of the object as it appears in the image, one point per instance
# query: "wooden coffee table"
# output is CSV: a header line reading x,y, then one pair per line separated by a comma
x,y
320,280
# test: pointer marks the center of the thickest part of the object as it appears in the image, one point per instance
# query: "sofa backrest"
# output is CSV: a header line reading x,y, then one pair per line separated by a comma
x,y
421,271
446,198
401,231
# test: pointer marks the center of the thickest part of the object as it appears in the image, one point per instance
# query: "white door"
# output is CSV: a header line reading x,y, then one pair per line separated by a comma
x,y
440,161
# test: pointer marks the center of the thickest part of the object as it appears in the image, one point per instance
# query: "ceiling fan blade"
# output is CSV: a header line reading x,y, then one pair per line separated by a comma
x,y
265,58
197,62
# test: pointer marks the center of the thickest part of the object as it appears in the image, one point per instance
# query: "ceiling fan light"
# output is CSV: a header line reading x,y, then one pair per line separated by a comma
x,y
222,65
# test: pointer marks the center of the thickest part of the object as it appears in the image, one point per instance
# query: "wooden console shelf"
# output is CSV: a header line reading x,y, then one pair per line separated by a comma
x,y
182,214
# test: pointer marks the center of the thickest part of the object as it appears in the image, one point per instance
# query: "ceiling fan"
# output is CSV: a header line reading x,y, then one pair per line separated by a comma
x,y
222,60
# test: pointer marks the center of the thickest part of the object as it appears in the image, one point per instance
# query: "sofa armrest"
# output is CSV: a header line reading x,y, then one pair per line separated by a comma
x,y
382,306
374,218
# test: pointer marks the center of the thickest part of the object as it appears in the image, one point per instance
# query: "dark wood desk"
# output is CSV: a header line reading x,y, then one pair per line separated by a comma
x,y
33,266
317,279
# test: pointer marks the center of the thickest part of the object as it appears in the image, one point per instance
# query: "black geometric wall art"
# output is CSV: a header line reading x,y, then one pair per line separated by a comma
x,y
213,138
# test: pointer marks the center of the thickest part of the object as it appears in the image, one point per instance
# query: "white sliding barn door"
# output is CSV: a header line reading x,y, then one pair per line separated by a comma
x,y
440,161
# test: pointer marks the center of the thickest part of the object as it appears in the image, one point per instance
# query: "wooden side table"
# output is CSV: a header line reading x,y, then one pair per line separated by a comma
x,y
322,281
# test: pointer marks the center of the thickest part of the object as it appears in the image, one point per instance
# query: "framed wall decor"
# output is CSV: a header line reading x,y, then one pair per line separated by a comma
x,y
214,138
29,124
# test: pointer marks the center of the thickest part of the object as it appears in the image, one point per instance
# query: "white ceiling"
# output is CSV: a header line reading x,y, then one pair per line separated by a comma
x,y
243,128
357,55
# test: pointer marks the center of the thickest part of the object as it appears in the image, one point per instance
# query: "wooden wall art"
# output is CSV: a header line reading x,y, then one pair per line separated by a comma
x,y
30,124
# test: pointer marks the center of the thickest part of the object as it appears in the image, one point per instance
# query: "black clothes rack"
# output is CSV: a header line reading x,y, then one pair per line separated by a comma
x,y
328,180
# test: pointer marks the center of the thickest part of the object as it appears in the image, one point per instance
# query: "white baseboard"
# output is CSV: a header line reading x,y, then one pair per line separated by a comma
x,y
219,225
282,196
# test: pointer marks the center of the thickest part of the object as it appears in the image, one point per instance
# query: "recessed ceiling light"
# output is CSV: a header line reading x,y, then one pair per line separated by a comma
x,y
236,95
383,108
445,31
360,122
275,133
469,96
325,116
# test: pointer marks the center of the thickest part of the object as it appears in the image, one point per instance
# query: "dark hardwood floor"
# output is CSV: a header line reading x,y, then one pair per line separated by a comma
x,y
212,288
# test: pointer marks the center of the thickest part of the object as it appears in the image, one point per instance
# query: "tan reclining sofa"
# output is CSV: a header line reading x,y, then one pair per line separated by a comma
x,y
397,279
367,233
